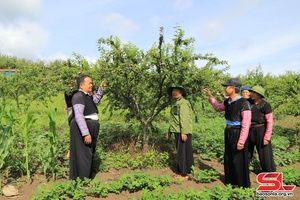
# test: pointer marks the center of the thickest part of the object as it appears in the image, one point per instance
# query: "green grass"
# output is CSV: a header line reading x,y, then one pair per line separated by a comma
x,y
122,137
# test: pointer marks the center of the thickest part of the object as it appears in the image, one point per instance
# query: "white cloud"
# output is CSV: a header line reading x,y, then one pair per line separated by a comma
x,y
181,5
245,43
18,36
242,8
266,46
22,40
62,56
91,59
214,28
155,21
14,9
53,57
119,25
270,51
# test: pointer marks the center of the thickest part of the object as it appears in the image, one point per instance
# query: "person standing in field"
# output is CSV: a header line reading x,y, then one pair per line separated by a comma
x,y
245,92
181,127
261,129
84,128
238,120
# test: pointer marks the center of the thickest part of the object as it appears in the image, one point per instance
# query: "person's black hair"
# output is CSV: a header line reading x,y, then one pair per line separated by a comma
x,y
80,79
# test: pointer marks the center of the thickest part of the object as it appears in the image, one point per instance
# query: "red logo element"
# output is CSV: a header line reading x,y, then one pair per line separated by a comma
x,y
272,181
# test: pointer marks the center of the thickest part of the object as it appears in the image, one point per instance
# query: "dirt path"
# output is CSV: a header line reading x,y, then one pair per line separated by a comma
x,y
26,190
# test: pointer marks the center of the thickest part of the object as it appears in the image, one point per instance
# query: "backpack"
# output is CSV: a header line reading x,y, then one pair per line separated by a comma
x,y
68,101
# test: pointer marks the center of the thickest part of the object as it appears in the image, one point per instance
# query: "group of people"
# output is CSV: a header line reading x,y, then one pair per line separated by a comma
x,y
249,122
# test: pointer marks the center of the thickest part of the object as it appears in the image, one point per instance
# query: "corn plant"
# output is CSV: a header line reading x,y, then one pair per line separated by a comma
x,y
27,124
6,132
52,136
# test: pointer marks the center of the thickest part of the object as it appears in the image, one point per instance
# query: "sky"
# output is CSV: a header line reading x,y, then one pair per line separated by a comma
x,y
245,33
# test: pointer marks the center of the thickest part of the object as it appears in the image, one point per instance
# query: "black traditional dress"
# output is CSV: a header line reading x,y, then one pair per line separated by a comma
x,y
236,165
81,154
257,135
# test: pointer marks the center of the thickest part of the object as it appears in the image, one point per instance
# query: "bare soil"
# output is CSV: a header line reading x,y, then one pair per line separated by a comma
x,y
288,121
25,192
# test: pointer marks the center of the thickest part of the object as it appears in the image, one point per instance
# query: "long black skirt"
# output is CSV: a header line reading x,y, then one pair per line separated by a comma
x,y
265,152
81,154
185,156
236,165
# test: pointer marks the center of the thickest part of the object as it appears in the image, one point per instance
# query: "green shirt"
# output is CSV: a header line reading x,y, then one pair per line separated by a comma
x,y
181,116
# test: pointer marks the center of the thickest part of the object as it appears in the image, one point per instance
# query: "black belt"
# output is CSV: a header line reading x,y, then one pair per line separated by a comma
x,y
89,119
256,125
236,126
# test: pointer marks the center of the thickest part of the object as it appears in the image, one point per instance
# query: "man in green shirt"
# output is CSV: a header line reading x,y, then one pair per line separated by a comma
x,y
181,127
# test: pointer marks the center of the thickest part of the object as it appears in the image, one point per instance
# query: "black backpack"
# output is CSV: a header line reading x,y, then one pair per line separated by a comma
x,y
68,101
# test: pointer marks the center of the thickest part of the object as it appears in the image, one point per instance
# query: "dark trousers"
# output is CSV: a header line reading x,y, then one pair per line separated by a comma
x,y
81,154
185,156
265,152
236,165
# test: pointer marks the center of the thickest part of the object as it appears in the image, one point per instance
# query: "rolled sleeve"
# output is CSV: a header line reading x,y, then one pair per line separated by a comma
x,y
246,122
269,126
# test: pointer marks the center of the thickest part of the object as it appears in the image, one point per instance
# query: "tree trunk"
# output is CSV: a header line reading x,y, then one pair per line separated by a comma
x,y
17,101
145,136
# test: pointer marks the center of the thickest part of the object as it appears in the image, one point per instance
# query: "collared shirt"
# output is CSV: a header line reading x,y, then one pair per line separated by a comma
x,y
181,116
238,97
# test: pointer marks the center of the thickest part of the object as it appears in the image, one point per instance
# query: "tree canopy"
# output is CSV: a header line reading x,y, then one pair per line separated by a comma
x,y
138,80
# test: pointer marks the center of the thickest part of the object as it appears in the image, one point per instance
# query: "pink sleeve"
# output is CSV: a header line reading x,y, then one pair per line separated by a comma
x,y
246,122
217,106
269,128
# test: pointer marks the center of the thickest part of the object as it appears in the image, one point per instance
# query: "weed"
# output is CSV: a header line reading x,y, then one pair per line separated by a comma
x,y
291,176
216,192
77,189
204,175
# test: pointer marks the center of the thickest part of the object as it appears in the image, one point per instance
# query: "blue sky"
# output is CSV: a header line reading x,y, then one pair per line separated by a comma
x,y
246,33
